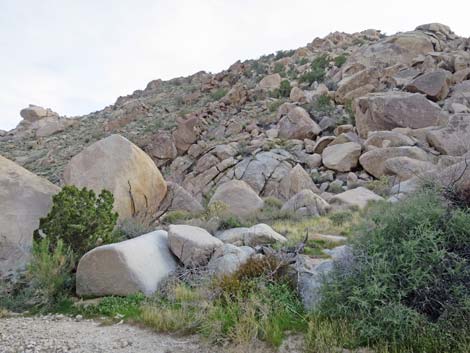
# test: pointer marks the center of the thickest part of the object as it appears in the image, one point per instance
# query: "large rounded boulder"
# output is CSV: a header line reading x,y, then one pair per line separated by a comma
x,y
24,199
239,197
117,165
128,267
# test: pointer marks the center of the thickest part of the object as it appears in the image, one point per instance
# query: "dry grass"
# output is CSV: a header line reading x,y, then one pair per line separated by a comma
x,y
295,230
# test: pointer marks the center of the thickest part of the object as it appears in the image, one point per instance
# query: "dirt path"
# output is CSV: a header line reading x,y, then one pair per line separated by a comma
x,y
59,334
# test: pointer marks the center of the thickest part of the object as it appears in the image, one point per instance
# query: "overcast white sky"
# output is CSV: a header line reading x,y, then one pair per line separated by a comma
x,y
79,56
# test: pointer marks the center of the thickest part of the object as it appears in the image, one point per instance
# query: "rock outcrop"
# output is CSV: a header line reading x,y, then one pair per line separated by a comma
x,y
24,199
117,165
240,199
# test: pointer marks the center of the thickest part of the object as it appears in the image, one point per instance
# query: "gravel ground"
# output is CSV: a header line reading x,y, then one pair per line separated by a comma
x,y
59,334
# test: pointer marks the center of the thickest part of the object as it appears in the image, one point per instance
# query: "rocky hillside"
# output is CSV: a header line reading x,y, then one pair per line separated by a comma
x,y
330,116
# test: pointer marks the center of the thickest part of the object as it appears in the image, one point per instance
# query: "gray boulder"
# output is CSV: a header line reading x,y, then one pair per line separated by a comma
x,y
135,265
24,199
388,110
194,246
239,197
306,203
228,259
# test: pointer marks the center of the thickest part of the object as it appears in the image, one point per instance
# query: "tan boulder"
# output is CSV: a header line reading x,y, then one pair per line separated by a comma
x,y
35,112
194,246
297,124
116,164
342,157
453,139
24,199
405,168
162,147
388,139
186,133
239,197
374,160
296,180
400,48
434,85
306,203
357,85
358,197
389,110
297,95
270,82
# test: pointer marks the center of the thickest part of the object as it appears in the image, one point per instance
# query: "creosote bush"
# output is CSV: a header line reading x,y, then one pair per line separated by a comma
x,y
80,219
409,286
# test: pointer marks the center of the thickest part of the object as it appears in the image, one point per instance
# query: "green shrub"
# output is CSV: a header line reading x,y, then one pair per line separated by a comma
x,y
273,106
79,219
230,222
49,272
218,94
317,70
177,216
283,54
340,60
279,68
131,228
324,104
284,89
408,287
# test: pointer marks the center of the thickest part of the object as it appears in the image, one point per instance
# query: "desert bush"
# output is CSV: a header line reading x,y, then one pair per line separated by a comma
x,y
283,91
340,60
131,228
381,186
409,285
80,219
285,88
177,216
317,70
324,104
218,94
283,54
49,272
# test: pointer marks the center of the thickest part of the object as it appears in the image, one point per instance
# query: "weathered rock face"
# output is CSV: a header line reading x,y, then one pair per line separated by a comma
x,y
388,110
162,147
454,139
297,124
311,273
186,133
270,82
388,139
306,203
342,157
357,85
401,48
373,161
239,197
358,197
24,199
405,168
194,246
296,181
117,165
136,265
228,259
433,85
259,234
34,113
178,199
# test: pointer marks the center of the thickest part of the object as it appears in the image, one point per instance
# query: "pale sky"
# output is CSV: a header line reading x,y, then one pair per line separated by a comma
x,y
78,56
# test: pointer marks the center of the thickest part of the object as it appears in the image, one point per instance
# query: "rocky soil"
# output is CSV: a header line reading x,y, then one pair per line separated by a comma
x,y
59,334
